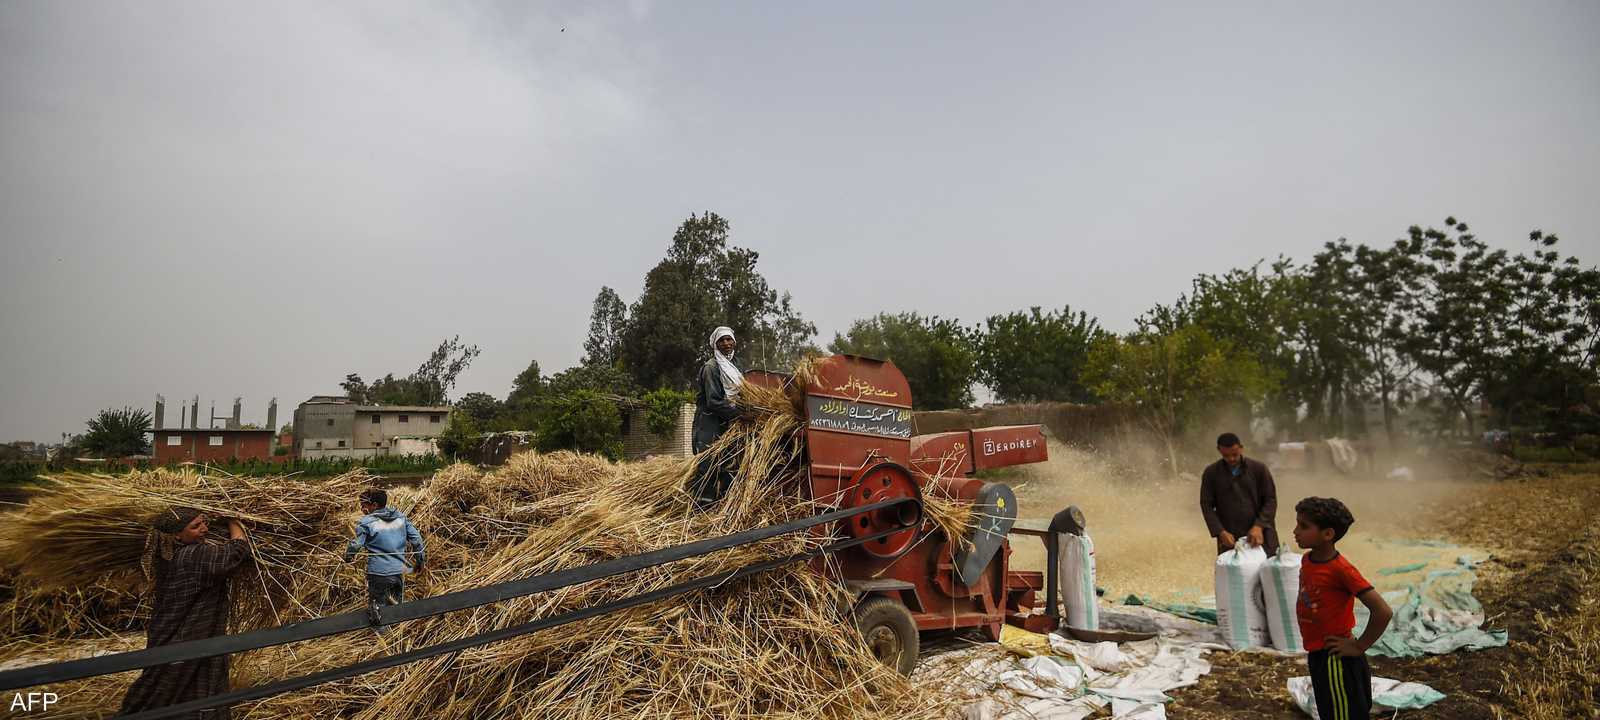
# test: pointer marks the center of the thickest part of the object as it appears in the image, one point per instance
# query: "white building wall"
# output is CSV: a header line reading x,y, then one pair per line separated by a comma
x,y
369,434
414,446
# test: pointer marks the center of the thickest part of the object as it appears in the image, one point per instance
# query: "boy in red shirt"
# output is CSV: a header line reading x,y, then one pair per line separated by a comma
x,y
1329,586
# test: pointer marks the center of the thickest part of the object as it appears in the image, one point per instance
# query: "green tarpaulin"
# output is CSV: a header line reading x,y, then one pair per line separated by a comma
x,y
1183,610
1440,616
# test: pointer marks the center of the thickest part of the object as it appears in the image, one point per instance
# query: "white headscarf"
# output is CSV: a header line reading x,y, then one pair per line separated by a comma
x,y
731,377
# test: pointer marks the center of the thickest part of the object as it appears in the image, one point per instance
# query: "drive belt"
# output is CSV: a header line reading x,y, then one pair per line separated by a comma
x,y
454,646
413,610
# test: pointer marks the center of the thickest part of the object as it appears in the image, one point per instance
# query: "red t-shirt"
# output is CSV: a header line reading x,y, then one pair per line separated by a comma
x,y
1327,602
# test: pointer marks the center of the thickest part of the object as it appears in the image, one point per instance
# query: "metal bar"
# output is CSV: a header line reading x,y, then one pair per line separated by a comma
x,y
1052,555
414,610
299,683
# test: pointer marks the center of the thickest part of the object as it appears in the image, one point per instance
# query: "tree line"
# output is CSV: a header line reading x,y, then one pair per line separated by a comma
x,y
1437,322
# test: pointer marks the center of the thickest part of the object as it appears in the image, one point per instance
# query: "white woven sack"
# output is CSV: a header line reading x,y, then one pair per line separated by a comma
x,y
1241,613
1077,581
1280,588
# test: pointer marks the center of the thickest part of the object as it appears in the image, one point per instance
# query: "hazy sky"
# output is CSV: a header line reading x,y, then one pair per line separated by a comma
x,y
255,198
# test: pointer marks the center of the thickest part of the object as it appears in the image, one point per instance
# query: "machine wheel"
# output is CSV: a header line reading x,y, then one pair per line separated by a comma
x,y
890,632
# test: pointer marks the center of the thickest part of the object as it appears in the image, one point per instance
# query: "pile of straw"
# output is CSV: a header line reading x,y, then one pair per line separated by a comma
x,y
114,603
781,644
85,533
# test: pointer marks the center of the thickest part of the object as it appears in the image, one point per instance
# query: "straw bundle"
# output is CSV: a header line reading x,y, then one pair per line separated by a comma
x,y
529,477
459,487
84,532
114,602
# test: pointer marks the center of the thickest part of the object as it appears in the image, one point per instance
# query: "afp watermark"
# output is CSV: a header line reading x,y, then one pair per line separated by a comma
x,y
33,701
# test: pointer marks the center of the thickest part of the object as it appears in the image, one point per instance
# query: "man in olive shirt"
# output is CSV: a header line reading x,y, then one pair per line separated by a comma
x,y
1238,498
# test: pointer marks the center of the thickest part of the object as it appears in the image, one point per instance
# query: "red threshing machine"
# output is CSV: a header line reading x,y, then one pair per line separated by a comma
x,y
860,450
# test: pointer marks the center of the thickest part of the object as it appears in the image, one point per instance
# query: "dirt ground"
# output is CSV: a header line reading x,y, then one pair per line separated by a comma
x,y
1540,532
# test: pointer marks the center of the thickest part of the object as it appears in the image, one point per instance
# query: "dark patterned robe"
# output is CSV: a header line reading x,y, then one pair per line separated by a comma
x,y
191,603
713,410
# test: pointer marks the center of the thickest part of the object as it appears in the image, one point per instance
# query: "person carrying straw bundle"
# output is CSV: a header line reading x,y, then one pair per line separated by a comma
x,y
191,603
716,391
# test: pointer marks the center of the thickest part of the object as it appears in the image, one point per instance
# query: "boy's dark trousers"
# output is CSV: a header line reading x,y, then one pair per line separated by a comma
x,y
1342,685
384,590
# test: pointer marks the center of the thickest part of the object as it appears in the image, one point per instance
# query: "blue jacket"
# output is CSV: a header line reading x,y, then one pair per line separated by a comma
x,y
385,534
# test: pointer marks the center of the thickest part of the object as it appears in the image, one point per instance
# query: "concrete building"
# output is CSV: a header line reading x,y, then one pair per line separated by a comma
x,y
231,442
333,426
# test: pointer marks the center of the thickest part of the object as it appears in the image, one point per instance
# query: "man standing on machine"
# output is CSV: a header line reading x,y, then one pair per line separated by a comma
x,y
1239,498
715,391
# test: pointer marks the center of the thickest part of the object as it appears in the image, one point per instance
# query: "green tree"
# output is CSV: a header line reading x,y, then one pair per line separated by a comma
x,y
521,407
533,398
429,385
1330,369
1173,380
606,380
1541,360
704,282
666,334
437,375
936,355
663,407
1579,292
582,420
357,390
606,324
1379,290
1034,356
1261,313
782,337
526,387
460,436
1452,333
483,408
118,433
1437,317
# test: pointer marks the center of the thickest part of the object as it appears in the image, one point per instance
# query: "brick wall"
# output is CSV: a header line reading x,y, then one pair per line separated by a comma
x,y
195,446
639,442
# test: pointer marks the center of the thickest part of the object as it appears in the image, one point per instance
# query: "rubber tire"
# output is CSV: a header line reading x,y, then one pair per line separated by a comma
x,y
886,625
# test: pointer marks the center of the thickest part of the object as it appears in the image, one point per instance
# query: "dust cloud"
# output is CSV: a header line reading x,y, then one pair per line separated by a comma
x,y
1150,539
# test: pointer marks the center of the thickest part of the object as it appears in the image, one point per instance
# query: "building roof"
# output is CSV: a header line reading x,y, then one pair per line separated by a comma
x,y
327,400
403,408
211,430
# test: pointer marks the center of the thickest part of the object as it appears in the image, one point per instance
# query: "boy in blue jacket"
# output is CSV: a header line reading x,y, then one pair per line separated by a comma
x,y
385,532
